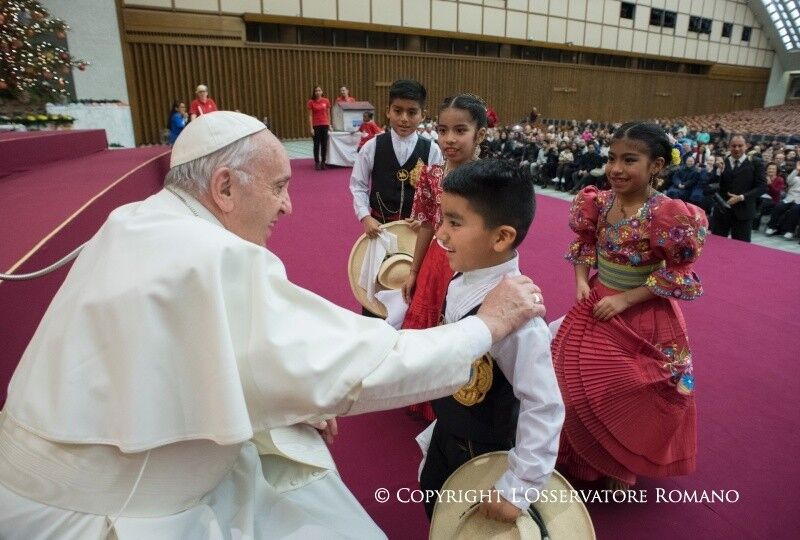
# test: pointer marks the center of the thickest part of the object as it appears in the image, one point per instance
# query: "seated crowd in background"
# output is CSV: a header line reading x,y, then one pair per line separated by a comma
x,y
567,159
572,155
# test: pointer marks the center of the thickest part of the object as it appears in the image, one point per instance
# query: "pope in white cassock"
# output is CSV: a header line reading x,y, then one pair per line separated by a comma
x,y
168,389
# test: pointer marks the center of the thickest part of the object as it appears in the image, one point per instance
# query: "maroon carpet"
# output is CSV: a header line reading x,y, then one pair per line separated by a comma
x,y
745,334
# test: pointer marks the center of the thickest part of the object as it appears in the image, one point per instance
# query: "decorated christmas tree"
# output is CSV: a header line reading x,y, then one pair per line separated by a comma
x,y
33,64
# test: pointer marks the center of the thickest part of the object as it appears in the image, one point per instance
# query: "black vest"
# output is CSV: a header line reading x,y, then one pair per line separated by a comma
x,y
492,420
388,195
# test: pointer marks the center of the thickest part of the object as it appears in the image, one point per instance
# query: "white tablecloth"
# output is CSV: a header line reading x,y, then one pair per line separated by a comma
x,y
342,147
115,118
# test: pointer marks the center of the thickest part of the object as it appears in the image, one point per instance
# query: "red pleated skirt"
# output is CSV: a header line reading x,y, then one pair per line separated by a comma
x,y
426,305
624,414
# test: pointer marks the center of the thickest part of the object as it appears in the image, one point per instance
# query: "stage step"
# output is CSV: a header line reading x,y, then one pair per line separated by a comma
x,y
25,151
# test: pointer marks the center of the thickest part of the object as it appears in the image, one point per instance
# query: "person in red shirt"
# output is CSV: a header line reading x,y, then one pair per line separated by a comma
x,y
368,129
344,96
319,121
203,104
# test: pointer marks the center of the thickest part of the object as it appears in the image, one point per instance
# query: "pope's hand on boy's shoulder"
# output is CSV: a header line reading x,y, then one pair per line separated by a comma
x,y
512,303
499,509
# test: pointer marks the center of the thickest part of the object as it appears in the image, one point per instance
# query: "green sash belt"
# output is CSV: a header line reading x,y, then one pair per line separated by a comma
x,y
623,277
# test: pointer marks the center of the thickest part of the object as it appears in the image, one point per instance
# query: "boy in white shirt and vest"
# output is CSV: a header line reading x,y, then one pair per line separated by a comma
x,y
512,401
384,175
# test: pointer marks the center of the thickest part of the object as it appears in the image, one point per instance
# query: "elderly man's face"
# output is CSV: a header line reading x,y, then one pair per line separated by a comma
x,y
266,198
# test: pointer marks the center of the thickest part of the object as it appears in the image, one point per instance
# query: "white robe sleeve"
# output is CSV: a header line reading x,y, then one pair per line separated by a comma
x,y
308,358
424,365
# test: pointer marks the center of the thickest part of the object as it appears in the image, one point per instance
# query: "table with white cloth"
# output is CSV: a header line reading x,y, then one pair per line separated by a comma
x,y
115,118
342,147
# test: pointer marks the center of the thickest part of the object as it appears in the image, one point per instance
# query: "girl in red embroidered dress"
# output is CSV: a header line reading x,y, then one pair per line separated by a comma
x,y
461,128
621,354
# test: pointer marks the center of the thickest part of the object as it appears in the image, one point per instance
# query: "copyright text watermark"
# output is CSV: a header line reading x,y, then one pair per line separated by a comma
x,y
635,496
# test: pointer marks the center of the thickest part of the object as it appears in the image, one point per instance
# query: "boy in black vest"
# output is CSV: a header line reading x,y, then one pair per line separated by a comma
x,y
487,208
384,175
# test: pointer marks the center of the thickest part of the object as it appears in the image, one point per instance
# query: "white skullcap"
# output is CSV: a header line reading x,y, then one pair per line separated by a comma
x,y
201,88
211,132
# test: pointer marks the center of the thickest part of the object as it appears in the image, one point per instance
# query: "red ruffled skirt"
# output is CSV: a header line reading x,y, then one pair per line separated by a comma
x,y
426,305
626,385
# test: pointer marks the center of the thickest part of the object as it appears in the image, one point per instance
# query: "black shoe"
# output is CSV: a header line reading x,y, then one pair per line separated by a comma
x,y
323,166
317,167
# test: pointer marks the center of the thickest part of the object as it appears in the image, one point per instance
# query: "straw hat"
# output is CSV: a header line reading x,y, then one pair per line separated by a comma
x,y
393,270
457,518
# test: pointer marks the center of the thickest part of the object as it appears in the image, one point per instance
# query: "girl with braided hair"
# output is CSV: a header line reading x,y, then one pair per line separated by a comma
x,y
621,354
461,128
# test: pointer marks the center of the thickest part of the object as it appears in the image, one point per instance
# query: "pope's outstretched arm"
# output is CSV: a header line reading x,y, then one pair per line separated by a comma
x,y
312,359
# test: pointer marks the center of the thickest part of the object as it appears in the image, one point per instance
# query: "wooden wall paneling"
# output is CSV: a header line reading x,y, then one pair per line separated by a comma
x,y
166,59
276,81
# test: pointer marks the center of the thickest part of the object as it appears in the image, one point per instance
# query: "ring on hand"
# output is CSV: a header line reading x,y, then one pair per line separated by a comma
x,y
536,298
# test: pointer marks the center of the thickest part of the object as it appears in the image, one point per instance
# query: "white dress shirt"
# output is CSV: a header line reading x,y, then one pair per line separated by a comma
x,y
732,163
362,169
525,360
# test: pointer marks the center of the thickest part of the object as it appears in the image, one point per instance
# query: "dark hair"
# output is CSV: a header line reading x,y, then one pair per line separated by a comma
x,y
501,193
408,89
369,115
172,111
315,87
651,136
471,103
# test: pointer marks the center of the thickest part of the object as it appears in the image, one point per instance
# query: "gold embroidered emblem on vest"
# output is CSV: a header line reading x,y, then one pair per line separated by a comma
x,y
480,382
416,172
402,175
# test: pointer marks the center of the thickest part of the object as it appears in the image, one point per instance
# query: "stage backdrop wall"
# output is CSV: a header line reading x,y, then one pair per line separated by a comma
x,y
169,53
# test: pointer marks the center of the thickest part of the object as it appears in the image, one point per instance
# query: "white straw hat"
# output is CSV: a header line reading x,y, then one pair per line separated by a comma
x,y
393,270
455,518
